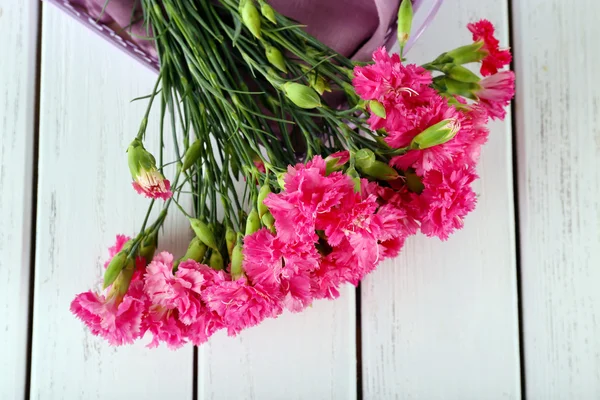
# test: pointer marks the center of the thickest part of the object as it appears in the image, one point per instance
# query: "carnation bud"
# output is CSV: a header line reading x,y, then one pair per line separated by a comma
x,y
316,81
250,17
268,12
114,268
377,108
379,170
142,166
301,95
195,251
351,172
336,161
121,284
262,195
364,158
281,180
252,223
269,221
473,52
454,87
203,232
230,239
275,57
148,247
460,73
436,134
216,260
413,182
405,17
237,258
192,154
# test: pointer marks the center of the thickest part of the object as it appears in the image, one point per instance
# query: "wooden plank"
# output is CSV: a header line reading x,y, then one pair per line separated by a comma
x,y
441,321
85,198
558,130
18,30
311,355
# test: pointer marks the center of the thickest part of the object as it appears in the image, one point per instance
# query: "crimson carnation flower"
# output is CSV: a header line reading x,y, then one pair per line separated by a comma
x,y
496,58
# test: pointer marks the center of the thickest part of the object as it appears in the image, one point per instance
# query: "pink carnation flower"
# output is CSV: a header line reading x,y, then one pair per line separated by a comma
x,y
240,305
436,156
396,86
448,197
496,93
164,325
119,321
179,291
496,58
309,191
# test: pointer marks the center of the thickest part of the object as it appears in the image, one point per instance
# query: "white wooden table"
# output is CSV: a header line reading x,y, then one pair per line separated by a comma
x,y
509,308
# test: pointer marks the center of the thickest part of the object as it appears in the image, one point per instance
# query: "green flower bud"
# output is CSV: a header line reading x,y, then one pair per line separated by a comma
x,y
364,158
301,95
460,73
250,17
114,268
268,220
237,258
230,239
142,166
405,17
467,54
436,134
216,260
275,57
336,161
379,170
195,251
121,284
262,195
351,172
413,182
203,232
148,247
316,81
377,108
252,223
268,12
281,180
454,87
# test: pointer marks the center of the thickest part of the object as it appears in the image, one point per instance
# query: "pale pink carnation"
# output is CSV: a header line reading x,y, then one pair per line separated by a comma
x,y
152,184
496,93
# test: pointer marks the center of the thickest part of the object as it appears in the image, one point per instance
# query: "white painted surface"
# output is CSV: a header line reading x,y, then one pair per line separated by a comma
x,y
84,199
558,127
311,355
18,33
440,322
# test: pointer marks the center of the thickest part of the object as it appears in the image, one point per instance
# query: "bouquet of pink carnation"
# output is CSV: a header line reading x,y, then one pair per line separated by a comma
x,y
289,194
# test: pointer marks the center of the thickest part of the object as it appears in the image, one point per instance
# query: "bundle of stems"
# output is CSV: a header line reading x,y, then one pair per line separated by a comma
x,y
242,94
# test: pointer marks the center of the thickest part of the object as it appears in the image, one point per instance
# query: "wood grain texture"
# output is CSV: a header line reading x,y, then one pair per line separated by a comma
x,y
441,321
558,127
311,355
85,198
18,34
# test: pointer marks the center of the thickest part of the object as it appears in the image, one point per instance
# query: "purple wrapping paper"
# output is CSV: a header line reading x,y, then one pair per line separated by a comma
x,y
354,28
